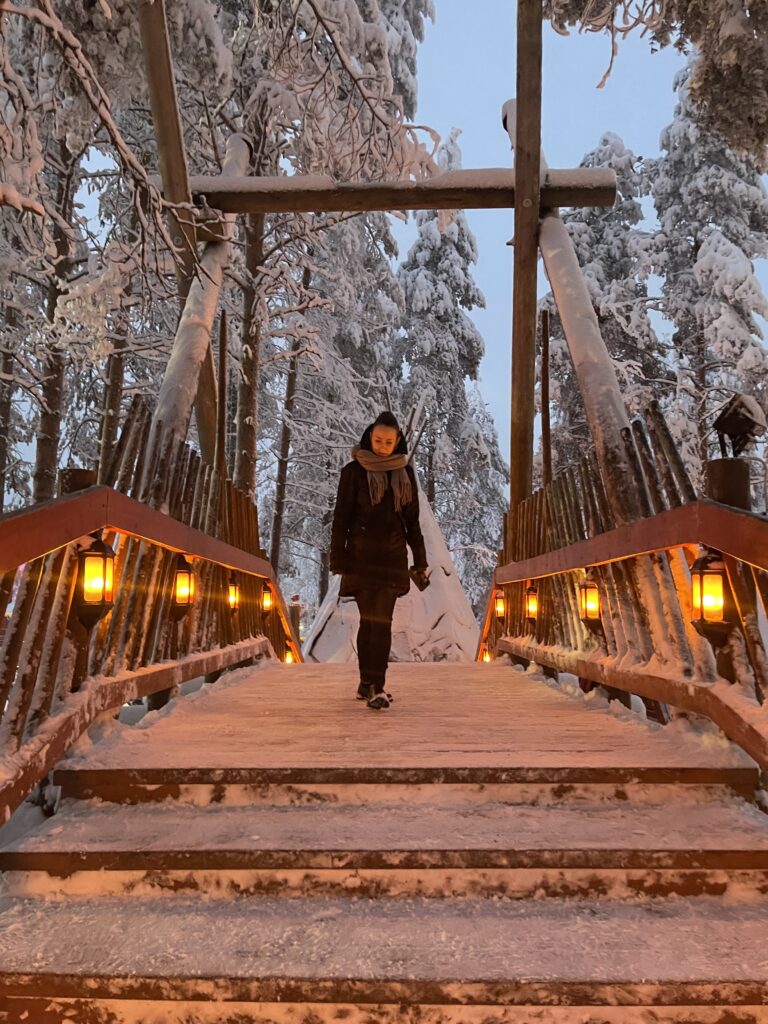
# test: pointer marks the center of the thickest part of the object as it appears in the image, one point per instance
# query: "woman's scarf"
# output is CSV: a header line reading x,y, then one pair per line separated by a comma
x,y
377,467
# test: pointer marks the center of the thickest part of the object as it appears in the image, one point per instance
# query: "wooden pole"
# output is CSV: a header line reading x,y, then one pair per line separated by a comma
x,y
192,341
527,200
173,170
546,438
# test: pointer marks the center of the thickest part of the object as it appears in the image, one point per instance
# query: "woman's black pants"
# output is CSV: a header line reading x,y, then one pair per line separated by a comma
x,y
374,638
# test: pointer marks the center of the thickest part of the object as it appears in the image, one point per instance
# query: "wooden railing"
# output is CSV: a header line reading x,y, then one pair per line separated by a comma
x,y
644,641
56,675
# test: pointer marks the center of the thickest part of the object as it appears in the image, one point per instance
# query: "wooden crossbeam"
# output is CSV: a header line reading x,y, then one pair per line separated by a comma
x,y
490,188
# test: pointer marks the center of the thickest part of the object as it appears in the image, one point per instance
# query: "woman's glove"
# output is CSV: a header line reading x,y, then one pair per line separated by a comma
x,y
420,577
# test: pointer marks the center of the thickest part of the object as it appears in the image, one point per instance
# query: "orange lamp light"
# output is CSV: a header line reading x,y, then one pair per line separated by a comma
x,y
184,588
289,658
233,594
266,600
708,588
486,655
500,605
589,600
531,602
95,582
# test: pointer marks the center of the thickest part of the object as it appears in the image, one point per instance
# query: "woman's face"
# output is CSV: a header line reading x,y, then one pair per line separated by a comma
x,y
384,440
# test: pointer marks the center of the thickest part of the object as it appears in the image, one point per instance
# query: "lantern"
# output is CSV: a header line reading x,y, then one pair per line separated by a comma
x,y
184,588
708,589
500,604
486,655
233,593
266,600
289,659
95,582
589,600
531,603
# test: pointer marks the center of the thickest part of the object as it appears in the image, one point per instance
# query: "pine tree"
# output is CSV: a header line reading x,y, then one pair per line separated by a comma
x,y
712,208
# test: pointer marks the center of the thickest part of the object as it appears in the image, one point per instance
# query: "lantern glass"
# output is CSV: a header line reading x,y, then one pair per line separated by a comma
x,y
531,602
500,605
266,600
289,657
486,655
589,600
97,579
234,595
184,587
707,592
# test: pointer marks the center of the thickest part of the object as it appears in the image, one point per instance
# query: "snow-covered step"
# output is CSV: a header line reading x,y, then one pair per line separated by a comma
x,y
394,952
515,850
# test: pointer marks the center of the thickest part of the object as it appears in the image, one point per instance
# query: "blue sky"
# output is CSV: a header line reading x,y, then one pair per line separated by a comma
x,y
467,70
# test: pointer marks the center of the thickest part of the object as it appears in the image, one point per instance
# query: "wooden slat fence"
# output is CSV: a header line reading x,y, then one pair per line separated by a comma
x,y
645,642
158,499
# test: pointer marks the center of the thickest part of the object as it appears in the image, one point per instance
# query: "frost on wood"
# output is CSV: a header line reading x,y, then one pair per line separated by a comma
x,y
436,624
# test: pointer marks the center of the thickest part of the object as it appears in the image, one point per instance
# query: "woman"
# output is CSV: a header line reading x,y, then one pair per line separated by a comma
x,y
377,512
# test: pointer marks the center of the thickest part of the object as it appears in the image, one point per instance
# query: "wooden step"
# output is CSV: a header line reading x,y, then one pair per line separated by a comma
x,y
404,952
676,834
21,1010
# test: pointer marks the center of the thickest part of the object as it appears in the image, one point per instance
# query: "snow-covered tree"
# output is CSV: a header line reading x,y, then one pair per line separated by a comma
x,y
712,207
612,250
730,37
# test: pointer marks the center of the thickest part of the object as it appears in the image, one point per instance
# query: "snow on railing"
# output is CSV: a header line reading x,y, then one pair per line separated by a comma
x,y
75,645
612,603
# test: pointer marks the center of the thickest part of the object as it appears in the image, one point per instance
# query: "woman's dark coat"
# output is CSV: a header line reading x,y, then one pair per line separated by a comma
x,y
368,541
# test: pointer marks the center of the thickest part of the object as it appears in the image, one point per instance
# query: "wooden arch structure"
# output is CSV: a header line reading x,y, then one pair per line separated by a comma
x,y
628,511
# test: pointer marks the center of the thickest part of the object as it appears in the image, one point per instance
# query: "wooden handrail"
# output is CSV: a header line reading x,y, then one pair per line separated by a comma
x,y
743,535
32,532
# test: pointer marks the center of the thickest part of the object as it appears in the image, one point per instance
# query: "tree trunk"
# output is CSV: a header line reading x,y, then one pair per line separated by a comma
x,y
110,416
248,389
6,397
282,465
55,363
431,472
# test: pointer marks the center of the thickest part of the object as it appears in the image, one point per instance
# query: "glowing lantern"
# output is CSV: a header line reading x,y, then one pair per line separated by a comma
x,y
589,601
486,655
266,600
289,659
500,604
233,594
95,582
531,603
184,588
708,588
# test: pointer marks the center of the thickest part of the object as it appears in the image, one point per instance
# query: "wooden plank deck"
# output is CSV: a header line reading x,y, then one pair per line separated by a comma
x,y
449,723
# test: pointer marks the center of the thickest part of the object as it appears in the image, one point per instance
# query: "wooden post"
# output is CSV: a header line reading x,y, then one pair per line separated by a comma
x,y
173,169
527,189
192,341
546,438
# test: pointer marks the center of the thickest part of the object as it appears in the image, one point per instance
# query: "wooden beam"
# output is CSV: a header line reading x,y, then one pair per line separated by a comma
x,y
524,285
737,534
492,188
173,170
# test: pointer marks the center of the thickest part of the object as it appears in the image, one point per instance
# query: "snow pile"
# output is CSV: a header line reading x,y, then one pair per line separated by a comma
x,y
436,624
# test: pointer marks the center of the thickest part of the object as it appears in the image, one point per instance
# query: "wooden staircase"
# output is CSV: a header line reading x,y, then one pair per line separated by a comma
x,y
488,851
